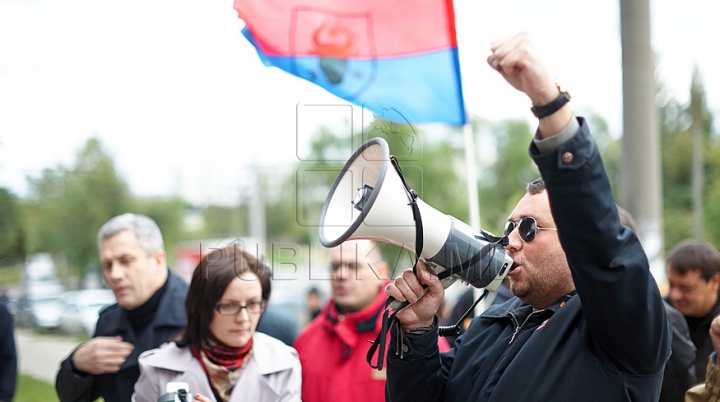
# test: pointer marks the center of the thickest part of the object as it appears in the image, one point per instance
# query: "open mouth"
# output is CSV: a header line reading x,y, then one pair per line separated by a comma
x,y
513,266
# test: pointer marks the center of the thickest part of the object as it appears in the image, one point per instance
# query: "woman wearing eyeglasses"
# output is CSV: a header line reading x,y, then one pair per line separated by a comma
x,y
219,355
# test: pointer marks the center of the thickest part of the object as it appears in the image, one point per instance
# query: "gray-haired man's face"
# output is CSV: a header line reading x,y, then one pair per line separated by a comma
x,y
131,274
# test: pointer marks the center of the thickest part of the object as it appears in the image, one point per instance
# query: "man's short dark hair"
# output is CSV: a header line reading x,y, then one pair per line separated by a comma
x,y
694,255
536,186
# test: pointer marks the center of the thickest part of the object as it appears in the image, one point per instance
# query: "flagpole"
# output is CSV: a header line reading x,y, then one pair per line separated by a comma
x,y
471,169
474,204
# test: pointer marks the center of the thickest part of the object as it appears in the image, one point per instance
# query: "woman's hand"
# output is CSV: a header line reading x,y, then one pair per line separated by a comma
x,y
202,398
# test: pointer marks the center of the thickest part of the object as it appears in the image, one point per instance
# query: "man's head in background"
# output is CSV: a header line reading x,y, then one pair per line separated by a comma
x,y
693,270
132,255
358,273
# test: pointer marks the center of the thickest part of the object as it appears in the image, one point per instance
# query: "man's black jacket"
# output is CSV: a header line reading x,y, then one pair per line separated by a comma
x,y
8,355
608,341
169,320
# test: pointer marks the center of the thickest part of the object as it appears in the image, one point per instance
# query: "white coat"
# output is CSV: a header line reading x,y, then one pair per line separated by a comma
x,y
272,373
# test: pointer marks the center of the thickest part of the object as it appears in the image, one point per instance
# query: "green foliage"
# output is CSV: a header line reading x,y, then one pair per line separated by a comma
x,y
223,221
502,183
67,206
12,234
503,180
167,212
30,389
677,153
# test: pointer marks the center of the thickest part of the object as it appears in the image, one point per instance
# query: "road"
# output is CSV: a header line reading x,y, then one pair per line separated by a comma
x,y
39,355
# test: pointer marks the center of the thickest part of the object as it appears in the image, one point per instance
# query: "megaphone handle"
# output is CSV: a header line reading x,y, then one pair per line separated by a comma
x,y
397,305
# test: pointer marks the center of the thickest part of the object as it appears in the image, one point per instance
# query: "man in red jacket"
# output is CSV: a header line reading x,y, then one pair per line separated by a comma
x,y
333,347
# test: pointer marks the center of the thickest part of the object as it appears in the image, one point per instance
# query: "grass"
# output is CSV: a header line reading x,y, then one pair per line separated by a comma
x,y
30,389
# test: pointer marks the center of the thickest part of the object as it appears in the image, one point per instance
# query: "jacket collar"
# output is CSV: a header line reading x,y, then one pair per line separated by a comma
x,y
364,320
266,358
713,313
166,315
516,306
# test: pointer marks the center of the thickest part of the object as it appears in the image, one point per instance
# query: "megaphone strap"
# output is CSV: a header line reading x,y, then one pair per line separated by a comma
x,y
389,319
454,330
412,198
474,260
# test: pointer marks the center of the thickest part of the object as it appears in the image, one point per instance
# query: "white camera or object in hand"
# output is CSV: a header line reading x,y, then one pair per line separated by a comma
x,y
176,392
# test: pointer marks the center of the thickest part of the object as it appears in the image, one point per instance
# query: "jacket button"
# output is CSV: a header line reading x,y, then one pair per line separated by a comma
x,y
567,158
404,348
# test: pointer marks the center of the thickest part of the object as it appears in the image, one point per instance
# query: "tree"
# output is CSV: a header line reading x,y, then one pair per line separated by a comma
x,y
167,212
502,182
677,150
503,179
67,206
11,228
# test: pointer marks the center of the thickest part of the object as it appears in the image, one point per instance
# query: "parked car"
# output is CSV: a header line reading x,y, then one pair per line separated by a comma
x,y
82,309
40,306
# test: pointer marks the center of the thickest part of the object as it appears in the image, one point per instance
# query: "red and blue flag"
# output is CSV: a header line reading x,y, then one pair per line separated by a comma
x,y
379,54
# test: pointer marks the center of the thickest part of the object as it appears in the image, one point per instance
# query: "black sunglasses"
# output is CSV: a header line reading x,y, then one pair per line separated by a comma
x,y
527,228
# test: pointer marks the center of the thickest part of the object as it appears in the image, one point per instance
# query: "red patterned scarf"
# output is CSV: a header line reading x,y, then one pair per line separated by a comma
x,y
226,356
223,366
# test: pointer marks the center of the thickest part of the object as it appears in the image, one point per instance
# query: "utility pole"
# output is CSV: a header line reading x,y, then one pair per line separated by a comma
x,y
640,178
696,109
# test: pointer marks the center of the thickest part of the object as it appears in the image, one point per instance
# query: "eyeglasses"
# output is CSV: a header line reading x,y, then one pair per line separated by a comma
x,y
527,228
253,307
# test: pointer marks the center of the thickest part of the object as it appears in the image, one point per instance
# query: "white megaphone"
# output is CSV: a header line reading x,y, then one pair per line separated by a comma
x,y
369,200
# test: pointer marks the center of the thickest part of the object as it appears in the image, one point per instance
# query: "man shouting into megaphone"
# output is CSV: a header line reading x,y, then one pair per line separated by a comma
x,y
587,322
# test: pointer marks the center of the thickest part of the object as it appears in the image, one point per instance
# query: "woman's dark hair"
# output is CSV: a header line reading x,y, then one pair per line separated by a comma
x,y
211,277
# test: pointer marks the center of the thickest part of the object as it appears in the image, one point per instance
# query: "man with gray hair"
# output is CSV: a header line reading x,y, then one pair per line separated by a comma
x,y
149,311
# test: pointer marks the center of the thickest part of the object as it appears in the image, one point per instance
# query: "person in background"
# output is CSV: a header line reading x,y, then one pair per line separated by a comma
x,y
709,391
333,347
8,356
693,271
278,326
313,303
147,314
679,372
220,355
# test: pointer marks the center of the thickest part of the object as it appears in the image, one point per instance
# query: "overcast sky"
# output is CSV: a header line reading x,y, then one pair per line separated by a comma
x,y
184,106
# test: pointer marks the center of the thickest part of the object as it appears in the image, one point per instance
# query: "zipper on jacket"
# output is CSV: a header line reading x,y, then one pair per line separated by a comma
x,y
519,326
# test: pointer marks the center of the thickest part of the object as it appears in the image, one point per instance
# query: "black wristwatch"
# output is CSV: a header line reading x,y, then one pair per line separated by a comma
x,y
552,107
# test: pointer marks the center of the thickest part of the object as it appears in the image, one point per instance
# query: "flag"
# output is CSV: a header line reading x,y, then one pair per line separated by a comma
x,y
397,56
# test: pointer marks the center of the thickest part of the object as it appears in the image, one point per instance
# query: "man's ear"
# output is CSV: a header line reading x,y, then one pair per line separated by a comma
x,y
715,280
160,258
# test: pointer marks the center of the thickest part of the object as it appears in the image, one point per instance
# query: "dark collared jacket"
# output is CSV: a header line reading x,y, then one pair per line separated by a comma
x,y
8,355
169,320
701,338
608,341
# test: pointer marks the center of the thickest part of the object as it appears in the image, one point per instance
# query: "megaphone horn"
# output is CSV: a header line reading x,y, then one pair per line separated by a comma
x,y
368,200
